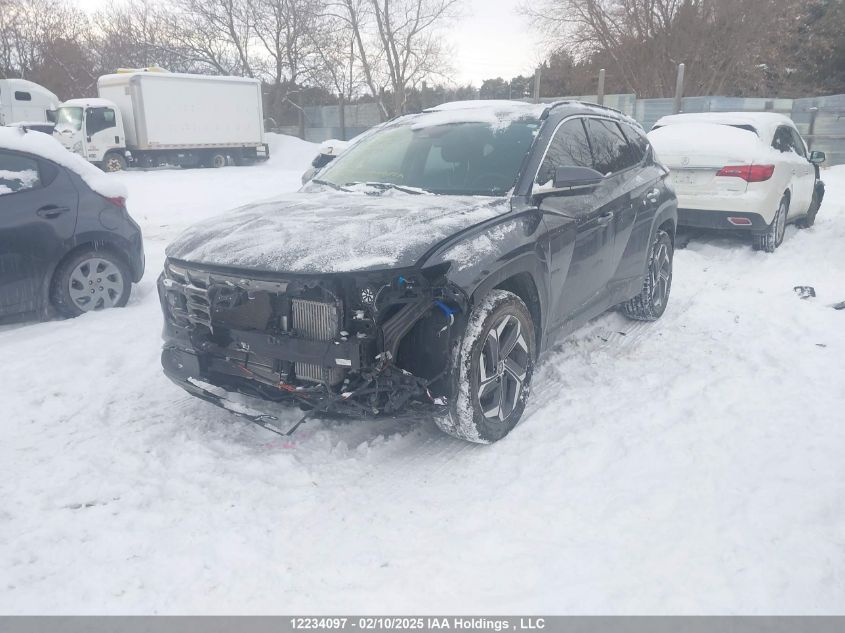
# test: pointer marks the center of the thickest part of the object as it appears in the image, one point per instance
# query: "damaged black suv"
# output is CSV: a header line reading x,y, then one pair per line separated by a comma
x,y
425,268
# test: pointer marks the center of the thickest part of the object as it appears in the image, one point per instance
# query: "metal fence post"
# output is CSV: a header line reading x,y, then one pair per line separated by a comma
x,y
342,116
677,106
601,87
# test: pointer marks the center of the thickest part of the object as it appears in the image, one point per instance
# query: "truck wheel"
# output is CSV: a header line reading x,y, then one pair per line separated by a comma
x,y
216,160
114,162
90,280
491,374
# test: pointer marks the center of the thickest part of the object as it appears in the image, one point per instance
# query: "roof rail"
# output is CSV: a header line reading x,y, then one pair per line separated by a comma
x,y
555,104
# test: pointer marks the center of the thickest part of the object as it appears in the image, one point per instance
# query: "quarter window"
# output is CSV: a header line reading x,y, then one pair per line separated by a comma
x,y
568,148
17,173
611,152
798,143
637,142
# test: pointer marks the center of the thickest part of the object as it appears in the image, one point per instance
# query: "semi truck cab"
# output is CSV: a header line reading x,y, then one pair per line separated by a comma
x,y
93,128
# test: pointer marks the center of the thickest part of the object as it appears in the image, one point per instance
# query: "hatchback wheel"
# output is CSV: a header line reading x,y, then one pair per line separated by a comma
x,y
493,368
90,280
772,237
651,303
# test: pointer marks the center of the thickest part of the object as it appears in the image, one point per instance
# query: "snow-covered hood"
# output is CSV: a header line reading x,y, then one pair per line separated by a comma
x,y
332,231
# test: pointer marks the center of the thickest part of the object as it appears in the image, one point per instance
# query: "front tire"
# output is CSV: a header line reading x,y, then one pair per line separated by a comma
x,y
90,280
492,369
114,162
772,237
651,303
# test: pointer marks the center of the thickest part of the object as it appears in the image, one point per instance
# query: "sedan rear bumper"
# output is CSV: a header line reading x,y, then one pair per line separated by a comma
x,y
712,219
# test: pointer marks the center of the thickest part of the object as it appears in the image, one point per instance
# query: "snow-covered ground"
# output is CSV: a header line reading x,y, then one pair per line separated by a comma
x,y
693,465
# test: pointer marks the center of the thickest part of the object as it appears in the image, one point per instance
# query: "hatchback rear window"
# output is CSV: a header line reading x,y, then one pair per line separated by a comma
x,y
17,173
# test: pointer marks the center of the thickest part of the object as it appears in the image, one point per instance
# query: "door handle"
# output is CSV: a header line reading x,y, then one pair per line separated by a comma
x,y
605,219
51,213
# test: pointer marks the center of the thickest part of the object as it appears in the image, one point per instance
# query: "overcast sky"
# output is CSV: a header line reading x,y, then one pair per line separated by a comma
x,y
490,40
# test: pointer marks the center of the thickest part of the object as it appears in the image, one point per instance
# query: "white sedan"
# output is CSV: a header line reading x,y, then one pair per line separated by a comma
x,y
740,170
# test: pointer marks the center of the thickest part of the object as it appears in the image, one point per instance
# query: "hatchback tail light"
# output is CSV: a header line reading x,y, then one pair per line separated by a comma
x,y
749,173
118,201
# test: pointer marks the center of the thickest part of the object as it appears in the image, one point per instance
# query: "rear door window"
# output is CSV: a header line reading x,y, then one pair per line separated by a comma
x,y
18,173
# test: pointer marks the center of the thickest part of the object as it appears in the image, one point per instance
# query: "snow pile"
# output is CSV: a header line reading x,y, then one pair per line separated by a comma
x,y
688,466
710,139
290,152
47,147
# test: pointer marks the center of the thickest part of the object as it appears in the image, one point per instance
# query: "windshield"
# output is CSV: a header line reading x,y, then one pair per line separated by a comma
x,y
454,158
69,117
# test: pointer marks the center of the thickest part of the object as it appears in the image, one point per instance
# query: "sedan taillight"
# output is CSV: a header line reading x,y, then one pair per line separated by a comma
x,y
749,173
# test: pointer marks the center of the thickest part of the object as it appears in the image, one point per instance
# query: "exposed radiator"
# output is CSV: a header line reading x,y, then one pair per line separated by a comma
x,y
316,320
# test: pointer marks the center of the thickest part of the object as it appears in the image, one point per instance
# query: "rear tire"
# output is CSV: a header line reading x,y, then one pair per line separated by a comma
x,y
492,369
90,280
216,160
810,219
651,303
772,237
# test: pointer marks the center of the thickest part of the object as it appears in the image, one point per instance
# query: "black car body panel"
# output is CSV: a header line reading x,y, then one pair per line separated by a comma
x,y
39,227
569,254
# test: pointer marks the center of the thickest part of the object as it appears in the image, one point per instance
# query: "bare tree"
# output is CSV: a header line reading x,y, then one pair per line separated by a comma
x,y
411,41
723,42
215,33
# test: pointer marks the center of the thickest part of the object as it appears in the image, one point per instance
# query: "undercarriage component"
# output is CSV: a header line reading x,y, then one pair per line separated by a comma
x,y
320,322
324,344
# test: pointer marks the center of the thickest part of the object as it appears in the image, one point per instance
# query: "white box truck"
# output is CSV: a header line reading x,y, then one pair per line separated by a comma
x,y
147,119
26,103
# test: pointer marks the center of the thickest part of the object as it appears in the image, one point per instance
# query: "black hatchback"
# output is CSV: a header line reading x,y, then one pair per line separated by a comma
x,y
426,266
63,244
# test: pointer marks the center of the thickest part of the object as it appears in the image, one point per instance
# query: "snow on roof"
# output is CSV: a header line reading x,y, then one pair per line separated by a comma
x,y
498,114
708,139
87,102
45,146
764,122
123,78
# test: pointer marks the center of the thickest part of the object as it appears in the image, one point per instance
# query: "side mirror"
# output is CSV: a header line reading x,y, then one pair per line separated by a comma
x,y
817,158
570,180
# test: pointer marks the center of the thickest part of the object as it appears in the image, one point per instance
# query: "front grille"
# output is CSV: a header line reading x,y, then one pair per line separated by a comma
x,y
316,320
